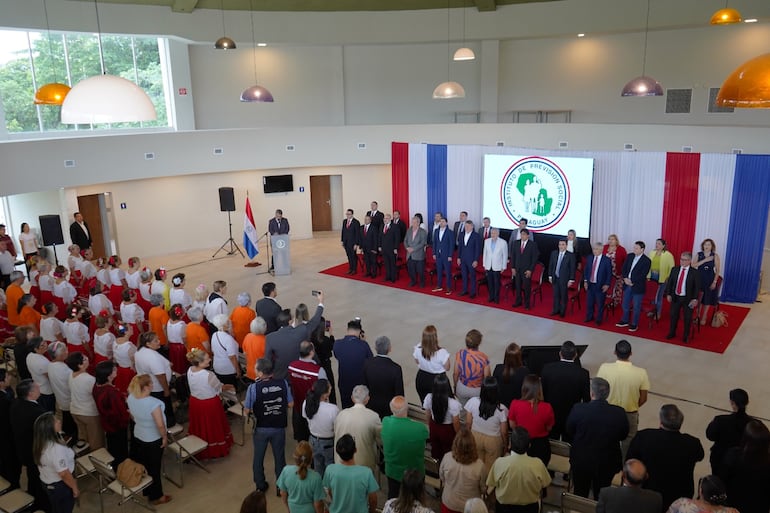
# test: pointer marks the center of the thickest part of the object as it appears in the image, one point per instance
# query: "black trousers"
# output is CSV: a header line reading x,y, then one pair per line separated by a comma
x,y
68,425
559,295
389,259
416,269
170,417
493,284
523,288
117,444
516,508
424,383
679,304
370,259
150,454
60,497
352,258
35,488
591,477
299,425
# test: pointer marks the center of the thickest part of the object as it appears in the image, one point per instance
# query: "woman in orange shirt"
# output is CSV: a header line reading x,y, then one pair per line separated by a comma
x,y
254,346
197,336
241,317
28,316
158,318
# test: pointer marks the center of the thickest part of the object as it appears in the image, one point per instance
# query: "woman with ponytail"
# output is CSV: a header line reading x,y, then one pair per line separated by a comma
x,y
75,332
131,314
117,280
320,415
50,326
301,487
63,291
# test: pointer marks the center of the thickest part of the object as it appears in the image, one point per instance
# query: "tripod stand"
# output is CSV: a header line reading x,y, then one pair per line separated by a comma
x,y
230,241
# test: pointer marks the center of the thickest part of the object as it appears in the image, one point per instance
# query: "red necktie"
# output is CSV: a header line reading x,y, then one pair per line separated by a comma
x,y
386,228
365,230
594,268
522,247
486,233
348,223
680,283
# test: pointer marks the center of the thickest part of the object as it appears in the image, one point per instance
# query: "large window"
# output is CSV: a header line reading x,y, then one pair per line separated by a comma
x,y
29,60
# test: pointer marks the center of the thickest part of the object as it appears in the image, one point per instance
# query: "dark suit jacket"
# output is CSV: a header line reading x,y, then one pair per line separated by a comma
x,y
268,309
446,246
378,219
385,380
79,237
639,276
628,499
726,432
564,385
456,229
670,458
351,236
274,229
523,261
691,284
282,346
471,251
603,273
23,415
480,231
370,241
389,241
597,429
401,228
567,271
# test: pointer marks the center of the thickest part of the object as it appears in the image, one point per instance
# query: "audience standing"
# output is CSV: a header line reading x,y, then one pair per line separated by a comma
x,y
23,413
444,413
383,377
55,462
301,487
462,473
303,374
403,444
535,415
565,384
113,412
410,496
10,467
432,360
746,470
351,352
510,374
351,487
207,417
149,361
363,424
726,431
320,415
471,367
630,497
282,346
488,420
82,404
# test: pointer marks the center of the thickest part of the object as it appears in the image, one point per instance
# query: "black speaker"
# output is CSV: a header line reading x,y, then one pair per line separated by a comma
x,y
226,199
51,228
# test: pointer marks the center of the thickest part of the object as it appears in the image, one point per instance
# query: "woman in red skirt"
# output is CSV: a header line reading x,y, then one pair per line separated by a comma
x,y
123,351
207,417
131,315
117,281
103,338
176,330
444,411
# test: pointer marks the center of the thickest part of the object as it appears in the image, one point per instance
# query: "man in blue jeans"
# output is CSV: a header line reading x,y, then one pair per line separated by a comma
x,y
270,400
634,276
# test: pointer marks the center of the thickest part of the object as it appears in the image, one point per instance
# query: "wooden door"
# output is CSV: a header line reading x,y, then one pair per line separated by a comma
x,y
321,203
92,214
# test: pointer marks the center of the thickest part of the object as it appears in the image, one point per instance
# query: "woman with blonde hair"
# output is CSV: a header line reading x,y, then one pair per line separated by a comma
x,y
617,255
462,473
150,436
207,417
534,415
432,360
301,487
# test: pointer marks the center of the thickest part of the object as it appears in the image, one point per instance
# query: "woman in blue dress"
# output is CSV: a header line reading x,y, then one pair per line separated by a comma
x,y
708,265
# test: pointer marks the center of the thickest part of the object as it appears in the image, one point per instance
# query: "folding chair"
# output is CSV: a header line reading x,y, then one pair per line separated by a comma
x,y
573,292
15,501
185,449
432,478
108,482
560,460
84,467
236,409
574,503
417,413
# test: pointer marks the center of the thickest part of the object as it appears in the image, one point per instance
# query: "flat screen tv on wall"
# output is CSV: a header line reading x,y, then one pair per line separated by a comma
x,y
278,183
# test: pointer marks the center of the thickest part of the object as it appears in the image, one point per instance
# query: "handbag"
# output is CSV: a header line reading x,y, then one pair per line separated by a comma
x,y
130,473
719,319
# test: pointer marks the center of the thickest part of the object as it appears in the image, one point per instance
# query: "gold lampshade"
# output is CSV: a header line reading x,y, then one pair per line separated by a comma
x,y
224,43
748,87
51,94
726,16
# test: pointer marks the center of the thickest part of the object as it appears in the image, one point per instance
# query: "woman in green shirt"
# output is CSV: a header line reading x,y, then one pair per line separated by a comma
x,y
301,488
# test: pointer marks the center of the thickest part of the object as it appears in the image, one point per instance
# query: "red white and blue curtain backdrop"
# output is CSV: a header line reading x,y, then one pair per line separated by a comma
x,y
682,197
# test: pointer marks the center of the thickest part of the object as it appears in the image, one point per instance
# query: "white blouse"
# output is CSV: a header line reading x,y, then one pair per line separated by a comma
x,y
87,269
131,313
180,296
152,363
437,362
116,276
75,332
103,277
158,287
65,291
134,279
203,384
28,242
50,327
46,282
122,352
59,376
144,290
223,345
55,458
453,410
74,261
37,364
322,423
98,303
490,426
214,308
175,331
103,344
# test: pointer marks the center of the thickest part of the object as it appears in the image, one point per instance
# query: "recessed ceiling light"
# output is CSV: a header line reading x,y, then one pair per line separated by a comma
x,y
750,20
261,44
581,35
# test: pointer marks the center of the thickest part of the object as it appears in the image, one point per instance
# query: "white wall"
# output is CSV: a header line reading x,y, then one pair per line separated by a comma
x,y
26,208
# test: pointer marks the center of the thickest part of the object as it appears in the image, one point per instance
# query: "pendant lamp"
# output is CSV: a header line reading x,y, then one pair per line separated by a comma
x,y
106,98
748,87
255,93
464,53
224,42
53,93
448,90
643,85
726,16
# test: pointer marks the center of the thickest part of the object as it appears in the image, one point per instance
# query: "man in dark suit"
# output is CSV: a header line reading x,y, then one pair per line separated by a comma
x,y
378,218
669,455
351,353
634,276
278,225
351,239
80,234
459,227
432,228
485,231
682,289
630,497
24,411
565,384
596,280
370,245
561,274
468,253
443,248
389,241
282,346
597,429
383,377
523,255
726,431
268,308
516,233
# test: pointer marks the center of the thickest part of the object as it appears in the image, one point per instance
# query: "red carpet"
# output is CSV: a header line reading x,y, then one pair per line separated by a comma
x,y
711,339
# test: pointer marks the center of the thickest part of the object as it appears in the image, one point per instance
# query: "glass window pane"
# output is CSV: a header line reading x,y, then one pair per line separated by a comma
x,y
16,87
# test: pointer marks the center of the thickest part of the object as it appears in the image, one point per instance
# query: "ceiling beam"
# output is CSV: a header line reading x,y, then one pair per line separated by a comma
x,y
184,5
486,5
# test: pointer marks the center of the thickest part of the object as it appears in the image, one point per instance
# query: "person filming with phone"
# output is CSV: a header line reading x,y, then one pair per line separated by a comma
x,y
282,346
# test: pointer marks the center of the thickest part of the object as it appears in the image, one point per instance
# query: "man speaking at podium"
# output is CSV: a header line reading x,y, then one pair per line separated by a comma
x,y
278,225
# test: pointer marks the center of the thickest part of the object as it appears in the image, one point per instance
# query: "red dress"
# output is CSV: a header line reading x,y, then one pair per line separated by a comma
x,y
207,417
116,296
537,423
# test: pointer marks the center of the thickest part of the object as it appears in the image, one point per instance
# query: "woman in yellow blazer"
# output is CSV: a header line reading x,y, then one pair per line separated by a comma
x,y
662,263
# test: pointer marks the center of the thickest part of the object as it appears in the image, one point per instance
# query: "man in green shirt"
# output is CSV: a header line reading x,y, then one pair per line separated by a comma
x,y
403,442
351,487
